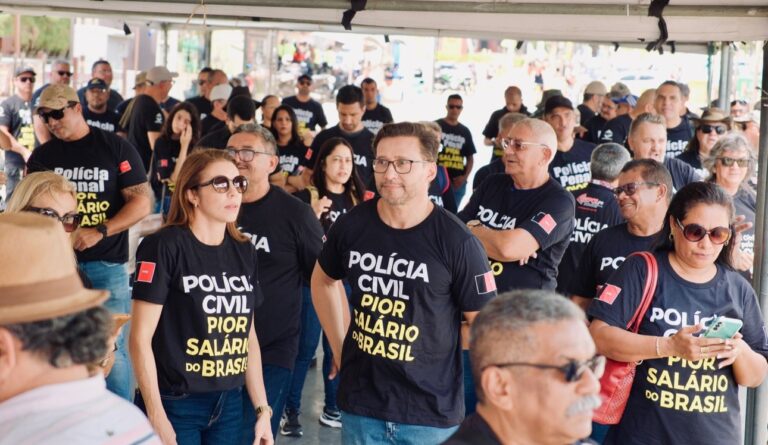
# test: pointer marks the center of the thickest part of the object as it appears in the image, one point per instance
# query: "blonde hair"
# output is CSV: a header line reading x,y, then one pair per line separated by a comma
x,y
37,184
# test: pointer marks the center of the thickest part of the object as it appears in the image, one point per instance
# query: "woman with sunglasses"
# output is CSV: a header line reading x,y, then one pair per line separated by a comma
x,y
196,287
712,125
731,164
685,390
290,146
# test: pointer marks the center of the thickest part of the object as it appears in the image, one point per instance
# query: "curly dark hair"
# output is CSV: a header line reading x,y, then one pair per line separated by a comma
x,y
74,339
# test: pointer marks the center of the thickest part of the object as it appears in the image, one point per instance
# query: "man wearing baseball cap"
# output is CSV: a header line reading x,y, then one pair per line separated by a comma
x,y
60,74
102,69
52,331
97,112
593,99
16,125
147,117
570,166
113,195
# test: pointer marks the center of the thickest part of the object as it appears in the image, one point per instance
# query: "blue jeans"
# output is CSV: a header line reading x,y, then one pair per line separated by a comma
x,y
114,278
459,193
276,382
470,396
13,172
359,430
310,335
203,418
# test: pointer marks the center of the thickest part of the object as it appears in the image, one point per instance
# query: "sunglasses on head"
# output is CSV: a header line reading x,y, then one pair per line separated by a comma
x,y
695,233
70,221
631,188
54,114
221,184
573,370
727,162
719,129
27,79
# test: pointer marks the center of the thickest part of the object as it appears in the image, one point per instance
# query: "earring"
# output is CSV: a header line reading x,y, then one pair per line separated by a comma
x,y
671,238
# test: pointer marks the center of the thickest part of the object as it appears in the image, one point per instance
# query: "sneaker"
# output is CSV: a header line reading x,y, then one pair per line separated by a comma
x,y
291,427
331,418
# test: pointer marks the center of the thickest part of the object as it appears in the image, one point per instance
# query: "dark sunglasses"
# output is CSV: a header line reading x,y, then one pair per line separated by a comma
x,y
70,221
221,184
719,129
573,370
631,188
739,102
202,82
53,114
456,107
695,233
27,79
305,83
64,73
727,162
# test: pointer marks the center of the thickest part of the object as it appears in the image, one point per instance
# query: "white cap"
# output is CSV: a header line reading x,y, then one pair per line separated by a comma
x,y
221,92
159,74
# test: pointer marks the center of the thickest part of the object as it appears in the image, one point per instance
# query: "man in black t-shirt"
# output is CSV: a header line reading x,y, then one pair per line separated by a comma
x,y
16,125
207,80
97,113
112,194
669,103
617,129
458,153
288,238
376,114
61,74
308,111
513,103
512,336
350,104
414,271
101,69
594,93
596,125
497,164
146,116
570,168
596,207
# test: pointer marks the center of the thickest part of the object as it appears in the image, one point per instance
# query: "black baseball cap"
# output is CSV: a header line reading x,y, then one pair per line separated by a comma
x,y
557,102
96,84
304,77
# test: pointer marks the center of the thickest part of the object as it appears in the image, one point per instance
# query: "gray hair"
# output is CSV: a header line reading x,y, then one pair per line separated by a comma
x,y
730,142
607,160
647,118
543,131
260,132
60,62
69,340
502,328
509,120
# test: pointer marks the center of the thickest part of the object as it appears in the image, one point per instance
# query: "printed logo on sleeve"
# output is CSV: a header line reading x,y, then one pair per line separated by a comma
x,y
368,195
146,272
163,163
609,293
308,154
545,221
485,283
159,118
125,167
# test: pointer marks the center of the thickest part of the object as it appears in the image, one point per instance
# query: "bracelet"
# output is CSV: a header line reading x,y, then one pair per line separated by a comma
x,y
263,409
658,351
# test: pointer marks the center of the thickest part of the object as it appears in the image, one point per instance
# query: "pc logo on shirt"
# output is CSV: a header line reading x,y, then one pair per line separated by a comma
x,y
545,221
146,272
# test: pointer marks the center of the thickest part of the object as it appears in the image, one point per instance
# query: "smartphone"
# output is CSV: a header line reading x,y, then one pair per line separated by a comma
x,y
723,327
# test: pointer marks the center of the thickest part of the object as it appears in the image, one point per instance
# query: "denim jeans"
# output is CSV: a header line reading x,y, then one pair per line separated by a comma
x,y
310,335
459,193
470,396
359,430
13,172
204,418
114,278
276,381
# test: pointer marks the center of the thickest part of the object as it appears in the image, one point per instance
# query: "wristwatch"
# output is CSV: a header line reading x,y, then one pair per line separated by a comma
x,y
102,228
474,223
263,409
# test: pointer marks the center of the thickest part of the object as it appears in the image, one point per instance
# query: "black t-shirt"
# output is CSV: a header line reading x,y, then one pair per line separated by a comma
x,y
146,116
682,173
16,114
691,158
362,147
112,102
596,210
202,105
491,129
209,295
107,121
571,168
678,137
120,111
100,165
745,203
440,191
292,157
595,128
374,119
341,203
457,147
215,139
547,213
288,238
673,401
602,256
496,166
585,114
401,359
617,130
310,114
210,124
474,430
166,152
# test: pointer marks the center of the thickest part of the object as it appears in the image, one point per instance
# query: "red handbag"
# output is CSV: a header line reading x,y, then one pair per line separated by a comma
x,y
616,381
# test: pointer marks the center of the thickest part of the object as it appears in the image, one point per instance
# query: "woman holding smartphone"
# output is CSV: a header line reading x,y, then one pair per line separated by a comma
x,y
195,292
686,388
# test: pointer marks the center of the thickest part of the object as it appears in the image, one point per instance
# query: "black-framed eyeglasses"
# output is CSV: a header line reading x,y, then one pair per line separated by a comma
x,y
401,166
54,114
246,154
70,221
518,145
221,184
631,188
573,370
719,129
695,233
64,73
26,79
727,162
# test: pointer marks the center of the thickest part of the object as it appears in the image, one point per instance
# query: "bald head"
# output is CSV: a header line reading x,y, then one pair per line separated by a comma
x,y
645,103
541,132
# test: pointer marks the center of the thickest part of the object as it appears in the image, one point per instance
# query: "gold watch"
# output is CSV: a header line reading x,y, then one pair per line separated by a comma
x,y
474,223
261,409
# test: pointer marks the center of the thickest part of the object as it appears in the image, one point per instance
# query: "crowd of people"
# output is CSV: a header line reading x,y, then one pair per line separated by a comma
x,y
489,323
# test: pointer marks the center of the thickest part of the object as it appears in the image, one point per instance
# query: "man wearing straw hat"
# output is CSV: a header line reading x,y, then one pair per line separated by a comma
x,y
51,330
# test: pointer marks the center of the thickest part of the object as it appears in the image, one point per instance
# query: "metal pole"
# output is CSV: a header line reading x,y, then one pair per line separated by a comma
x,y
722,93
757,399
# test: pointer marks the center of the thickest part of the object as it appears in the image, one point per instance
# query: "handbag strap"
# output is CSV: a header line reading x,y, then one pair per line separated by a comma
x,y
648,291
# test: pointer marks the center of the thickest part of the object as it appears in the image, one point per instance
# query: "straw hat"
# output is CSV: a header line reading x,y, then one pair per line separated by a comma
x,y
713,116
38,274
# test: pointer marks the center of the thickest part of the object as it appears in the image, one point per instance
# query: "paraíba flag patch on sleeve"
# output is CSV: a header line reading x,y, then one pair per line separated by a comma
x,y
609,293
485,283
545,221
125,166
146,272
308,154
